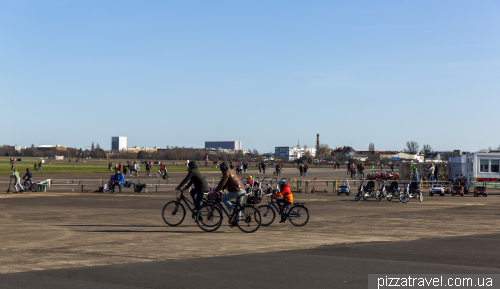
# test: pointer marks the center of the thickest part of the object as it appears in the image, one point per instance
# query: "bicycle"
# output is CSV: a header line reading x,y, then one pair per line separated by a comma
x,y
173,212
29,186
211,214
298,214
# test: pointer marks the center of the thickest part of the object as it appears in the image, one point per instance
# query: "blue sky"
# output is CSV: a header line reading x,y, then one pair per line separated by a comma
x,y
267,73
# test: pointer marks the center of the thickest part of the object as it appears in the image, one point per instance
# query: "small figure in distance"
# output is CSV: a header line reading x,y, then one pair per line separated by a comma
x,y
263,168
201,186
301,169
148,169
287,199
40,166
233,184
306,167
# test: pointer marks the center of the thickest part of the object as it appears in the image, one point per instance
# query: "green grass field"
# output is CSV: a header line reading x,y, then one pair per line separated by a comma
x,y
80,168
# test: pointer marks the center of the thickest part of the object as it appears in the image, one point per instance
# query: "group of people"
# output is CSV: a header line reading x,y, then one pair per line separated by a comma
x,y
303,169
17,179
360,169
229,181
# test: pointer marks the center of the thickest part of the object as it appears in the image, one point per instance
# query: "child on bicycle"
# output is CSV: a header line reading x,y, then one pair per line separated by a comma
x,y
287,198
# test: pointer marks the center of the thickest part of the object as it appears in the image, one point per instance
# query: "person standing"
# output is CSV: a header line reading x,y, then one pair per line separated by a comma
x,y
40,166
131,168
431,173
259,166
15,175
36,166
392,168
110,165
120,166
148,169
301,170
137,168
353,169
264,168
362,171
245,167
306,167
125,168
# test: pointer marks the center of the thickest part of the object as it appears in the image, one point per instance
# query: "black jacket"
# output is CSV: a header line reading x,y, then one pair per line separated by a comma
x,y
195,178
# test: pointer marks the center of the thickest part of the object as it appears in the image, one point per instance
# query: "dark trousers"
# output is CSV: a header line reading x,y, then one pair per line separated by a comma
x,y
282,203
197,197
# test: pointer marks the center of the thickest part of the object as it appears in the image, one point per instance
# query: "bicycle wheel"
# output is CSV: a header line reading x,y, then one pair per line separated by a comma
x,y
358,196
158,175
404,197
33,188
379,197
267,215
209,217
173,213
365,195
250,220
389,196
298,215
421,197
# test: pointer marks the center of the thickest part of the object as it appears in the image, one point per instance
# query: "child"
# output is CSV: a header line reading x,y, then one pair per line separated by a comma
x,y
287,198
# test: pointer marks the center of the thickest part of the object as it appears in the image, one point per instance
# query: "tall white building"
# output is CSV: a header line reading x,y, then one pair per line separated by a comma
x,y
119,143
228,145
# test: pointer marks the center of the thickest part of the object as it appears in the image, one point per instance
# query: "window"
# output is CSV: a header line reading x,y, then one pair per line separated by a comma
x,y
484,166
494,166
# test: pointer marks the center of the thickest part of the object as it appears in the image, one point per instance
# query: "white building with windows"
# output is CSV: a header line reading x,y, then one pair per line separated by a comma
x,y
292,153
483,167
119,143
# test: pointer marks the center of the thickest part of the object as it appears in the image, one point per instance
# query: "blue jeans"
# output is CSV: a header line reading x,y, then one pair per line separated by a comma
x,y
431,177
119,186
231,195
40,168
305,174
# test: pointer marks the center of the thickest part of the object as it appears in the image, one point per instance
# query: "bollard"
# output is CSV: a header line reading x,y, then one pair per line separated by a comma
x,y
82,188
307,186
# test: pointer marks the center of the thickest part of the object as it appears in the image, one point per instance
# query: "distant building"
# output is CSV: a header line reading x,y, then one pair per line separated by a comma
x,y
292,153
119,143
343,151
18,148
50,147
228,145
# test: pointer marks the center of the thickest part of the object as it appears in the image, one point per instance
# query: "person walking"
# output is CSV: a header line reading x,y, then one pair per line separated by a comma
x,y
15,175
362,171
131,168
110,165
392,168
353,170
306,167
36,166
40,166
245,167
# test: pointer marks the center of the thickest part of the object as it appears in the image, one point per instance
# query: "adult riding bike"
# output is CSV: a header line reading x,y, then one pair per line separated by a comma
x,y
297,213
211,214
174,212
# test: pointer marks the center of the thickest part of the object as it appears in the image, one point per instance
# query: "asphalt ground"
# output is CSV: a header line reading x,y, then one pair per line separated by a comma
x,y
62,239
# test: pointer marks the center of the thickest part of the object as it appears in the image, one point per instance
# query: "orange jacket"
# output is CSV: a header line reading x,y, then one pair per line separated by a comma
x,y
286,193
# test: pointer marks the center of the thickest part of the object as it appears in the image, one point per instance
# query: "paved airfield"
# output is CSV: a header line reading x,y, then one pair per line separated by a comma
x,y
65,239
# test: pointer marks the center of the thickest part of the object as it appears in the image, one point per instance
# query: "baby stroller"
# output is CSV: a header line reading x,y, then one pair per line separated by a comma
x,y
369,190
393,191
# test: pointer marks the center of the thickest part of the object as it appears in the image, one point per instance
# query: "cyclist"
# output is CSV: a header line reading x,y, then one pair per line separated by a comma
x,y
232,183
148,168
28,176
287,198
163,171
250,181
195,178
278,169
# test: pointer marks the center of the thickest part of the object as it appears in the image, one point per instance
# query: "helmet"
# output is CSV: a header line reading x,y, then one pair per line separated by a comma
x,y
28,169
281,183
249,177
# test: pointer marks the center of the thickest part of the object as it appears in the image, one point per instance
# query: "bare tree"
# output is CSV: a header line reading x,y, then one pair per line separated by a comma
x,y
411,147
322,150
426,147
371,147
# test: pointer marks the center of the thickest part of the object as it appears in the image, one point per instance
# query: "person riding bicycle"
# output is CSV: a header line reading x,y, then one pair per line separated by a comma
x,y
163,171
28,176
250,181
232,183
287,198
195,178
278,169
